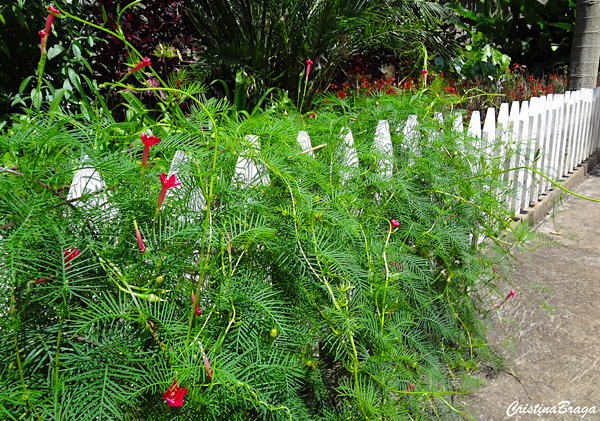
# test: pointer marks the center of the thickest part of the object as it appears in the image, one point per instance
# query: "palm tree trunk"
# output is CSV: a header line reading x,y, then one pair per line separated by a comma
x,y
585,51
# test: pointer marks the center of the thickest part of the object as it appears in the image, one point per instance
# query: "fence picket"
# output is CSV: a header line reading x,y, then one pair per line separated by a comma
x,y
383,145
304,141
247,173
535,120
552,134
349,155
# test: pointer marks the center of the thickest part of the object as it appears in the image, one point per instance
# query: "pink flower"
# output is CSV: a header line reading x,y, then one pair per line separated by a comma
x,y
144,63
166,185
195,304
207,368
309,63
174,395
147,141
228,241
393,224
139,237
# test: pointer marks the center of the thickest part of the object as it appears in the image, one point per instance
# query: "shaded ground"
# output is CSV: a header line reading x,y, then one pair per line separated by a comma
x,y
555,352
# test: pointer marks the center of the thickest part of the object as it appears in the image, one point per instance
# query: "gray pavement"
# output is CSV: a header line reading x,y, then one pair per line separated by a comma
x,y
553,357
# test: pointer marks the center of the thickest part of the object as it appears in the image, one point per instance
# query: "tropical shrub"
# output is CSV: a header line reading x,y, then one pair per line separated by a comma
x,y
536,35
248,47
332,283
67,68
156,30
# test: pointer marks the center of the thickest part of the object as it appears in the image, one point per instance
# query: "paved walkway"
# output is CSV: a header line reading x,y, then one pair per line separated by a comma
x,y
555,355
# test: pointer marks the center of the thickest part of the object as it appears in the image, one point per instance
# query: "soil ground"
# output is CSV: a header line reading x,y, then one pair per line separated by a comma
x,y
554,354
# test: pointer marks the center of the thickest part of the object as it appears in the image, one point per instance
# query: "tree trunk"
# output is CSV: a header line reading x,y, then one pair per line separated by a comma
x,y
585,51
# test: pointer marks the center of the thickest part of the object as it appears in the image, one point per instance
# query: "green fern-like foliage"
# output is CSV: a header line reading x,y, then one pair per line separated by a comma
x,y
311,304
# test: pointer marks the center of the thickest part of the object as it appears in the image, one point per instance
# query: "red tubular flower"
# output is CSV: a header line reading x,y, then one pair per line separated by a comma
x,y
139,237
424,73
393,224
51,13
69,254
144,63
195,304
174,395
309,63
510,294
46,32
42,35
147,141
166,185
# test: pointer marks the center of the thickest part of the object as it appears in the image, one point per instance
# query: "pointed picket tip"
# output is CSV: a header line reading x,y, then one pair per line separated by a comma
x,y
304,140
350,155
383,145
246,170
474,129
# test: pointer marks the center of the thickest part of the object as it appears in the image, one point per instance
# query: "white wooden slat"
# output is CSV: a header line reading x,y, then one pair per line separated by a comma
x,y
577,138
457,124
193,195
304,141
474,129
535,105
247,173
510,160
528,150
583,130
488,134
520,145
546,167
502,134
594,119
590,98
568,133
557,147
349,155
88,180
411,137
541,135
474,144
383,145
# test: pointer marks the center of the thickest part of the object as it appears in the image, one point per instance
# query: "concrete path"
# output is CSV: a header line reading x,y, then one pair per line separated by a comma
x,y
554,359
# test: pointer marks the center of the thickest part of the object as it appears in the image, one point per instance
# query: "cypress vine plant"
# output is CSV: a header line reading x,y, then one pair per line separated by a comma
x,y
333,285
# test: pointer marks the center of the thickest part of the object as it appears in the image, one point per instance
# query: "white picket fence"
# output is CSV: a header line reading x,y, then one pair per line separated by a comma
x,y
552,134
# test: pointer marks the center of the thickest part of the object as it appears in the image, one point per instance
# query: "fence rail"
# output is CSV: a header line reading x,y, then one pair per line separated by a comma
x,y
552,134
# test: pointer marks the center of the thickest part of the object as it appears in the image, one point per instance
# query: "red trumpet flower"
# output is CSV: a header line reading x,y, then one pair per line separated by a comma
x,y
174,395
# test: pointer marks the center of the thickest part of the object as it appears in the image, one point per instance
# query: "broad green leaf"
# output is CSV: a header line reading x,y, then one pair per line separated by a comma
x,y
54,51
36,98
